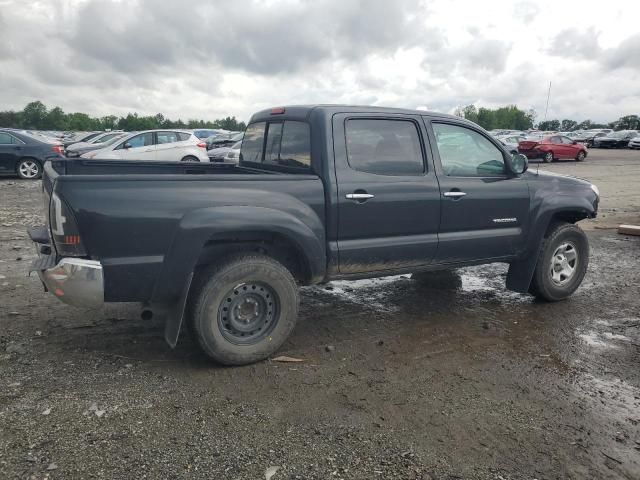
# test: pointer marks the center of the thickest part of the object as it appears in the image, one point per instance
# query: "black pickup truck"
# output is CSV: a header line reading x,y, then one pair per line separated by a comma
x,y
320,193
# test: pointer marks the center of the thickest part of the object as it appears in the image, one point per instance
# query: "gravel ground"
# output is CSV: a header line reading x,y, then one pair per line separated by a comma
x,y
399,379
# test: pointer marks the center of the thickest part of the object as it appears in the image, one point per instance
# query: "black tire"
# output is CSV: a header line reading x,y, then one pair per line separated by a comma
x,y
237,283
29,169
581,156
543,285
548,157
190,158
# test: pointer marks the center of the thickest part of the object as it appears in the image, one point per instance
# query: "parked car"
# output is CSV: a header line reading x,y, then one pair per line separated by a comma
x,y
618,139
555,147
218,154
634,142
81,137
379,191
162,145
223,140
233,155
510,143
203,133
96,143
24,155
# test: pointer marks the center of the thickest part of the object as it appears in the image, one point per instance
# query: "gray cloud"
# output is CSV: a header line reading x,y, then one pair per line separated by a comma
x,y
627,54
576,42
204,59
258,38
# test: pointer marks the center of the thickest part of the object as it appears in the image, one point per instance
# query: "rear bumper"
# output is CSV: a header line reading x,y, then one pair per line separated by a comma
x,y
74,281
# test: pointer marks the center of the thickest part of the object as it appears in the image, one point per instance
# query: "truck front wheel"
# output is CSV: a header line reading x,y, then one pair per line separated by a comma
x,y
244,309
562,264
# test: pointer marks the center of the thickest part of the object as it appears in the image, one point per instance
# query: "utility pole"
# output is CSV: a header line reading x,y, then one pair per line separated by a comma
x,y
546,109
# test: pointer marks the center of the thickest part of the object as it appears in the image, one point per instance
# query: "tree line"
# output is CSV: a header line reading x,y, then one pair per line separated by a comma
x,y
512,118
36,116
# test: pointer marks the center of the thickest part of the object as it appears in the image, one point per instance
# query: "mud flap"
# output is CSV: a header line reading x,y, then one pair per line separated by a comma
x,y
521,273
175,315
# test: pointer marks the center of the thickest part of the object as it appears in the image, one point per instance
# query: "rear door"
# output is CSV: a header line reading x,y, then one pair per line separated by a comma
x,y
388,195
484,209
169,146
10,149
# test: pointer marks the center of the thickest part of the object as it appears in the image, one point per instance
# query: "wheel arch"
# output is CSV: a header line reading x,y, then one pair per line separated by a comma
x,y
206,235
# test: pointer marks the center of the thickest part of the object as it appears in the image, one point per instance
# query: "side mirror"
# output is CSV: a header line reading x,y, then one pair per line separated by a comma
x,y
575,143
519,163
126,145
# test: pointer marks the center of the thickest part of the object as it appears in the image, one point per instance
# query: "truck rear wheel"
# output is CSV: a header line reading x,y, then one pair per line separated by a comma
x,y
562,264
244,309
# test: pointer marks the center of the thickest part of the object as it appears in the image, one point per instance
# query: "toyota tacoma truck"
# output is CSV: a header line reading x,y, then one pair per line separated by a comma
x,y
320,193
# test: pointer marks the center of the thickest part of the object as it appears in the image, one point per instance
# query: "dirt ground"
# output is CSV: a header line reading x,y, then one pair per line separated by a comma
x,y
399,380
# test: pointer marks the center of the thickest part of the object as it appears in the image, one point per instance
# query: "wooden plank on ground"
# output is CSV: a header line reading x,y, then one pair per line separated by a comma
x,y
629,229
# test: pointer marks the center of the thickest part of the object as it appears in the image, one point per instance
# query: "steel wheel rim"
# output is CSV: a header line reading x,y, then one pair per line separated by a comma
x,y
549,157
248,313
564,263
29,169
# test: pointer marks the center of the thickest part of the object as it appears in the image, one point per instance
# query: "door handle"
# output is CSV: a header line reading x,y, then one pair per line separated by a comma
x,y
359,196
454,194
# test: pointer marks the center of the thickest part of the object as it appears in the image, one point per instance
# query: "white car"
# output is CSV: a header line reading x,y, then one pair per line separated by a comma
x,y
155,145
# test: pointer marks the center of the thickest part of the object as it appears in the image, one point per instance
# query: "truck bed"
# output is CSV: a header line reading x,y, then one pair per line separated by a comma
x,y
131,214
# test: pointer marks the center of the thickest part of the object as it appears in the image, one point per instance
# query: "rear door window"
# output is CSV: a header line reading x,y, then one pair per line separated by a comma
x,y
167,137
384,147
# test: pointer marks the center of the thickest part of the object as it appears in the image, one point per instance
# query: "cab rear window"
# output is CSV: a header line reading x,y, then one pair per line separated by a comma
x,y
286,144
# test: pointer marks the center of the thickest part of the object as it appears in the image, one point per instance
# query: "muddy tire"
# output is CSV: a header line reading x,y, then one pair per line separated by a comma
x,y
244,309
548,157
563,262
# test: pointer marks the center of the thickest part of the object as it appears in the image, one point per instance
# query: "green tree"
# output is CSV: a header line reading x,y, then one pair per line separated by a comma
x,y
549,125
34,116
568,125
56,119
628,122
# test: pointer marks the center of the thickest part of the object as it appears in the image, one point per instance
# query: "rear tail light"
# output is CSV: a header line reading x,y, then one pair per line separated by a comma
x,y
58,149
202,145
64,228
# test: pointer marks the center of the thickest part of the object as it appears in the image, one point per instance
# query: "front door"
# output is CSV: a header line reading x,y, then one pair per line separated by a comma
x,y
388,196
485,208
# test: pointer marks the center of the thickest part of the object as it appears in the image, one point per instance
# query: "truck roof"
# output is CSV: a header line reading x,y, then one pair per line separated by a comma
x,y
304,111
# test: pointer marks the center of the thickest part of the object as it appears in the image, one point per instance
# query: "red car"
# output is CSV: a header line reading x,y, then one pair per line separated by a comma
x,y
555,147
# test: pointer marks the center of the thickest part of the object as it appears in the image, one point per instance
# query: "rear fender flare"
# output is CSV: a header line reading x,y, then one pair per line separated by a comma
x,y
199,226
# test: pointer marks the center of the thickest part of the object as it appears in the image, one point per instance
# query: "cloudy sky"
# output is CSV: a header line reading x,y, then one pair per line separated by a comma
x,y
208,59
